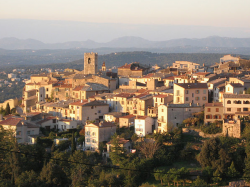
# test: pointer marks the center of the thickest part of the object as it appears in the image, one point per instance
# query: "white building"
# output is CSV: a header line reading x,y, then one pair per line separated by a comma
x,y
143,125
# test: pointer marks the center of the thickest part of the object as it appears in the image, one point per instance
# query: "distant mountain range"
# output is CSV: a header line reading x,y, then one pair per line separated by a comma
x,y
12,43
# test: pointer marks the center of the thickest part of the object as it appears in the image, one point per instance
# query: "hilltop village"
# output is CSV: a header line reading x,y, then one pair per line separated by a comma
x,y
133,105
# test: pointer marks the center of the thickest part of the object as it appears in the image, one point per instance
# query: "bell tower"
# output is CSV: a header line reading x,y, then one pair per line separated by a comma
x,y
90,63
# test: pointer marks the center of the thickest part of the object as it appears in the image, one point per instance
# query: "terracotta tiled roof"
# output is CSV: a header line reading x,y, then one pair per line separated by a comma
x,y
218,104
192,85
141,117
63,86
128,116
12,122
78,88
236,85
161,96
104,124
125,95
79,102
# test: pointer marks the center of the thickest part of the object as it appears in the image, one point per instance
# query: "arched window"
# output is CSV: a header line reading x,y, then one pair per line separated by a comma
x,y
239,102
229,102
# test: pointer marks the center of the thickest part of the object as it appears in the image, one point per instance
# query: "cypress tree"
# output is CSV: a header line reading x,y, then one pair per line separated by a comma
x,y
73,143
7,109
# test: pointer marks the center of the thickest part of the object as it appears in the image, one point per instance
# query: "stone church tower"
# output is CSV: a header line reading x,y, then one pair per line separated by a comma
x,y
90,63
104,67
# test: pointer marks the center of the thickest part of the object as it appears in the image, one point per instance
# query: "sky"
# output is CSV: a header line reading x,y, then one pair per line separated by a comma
x,y
206,13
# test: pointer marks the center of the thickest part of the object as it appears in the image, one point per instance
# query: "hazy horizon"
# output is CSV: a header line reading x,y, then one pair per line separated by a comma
x,y
54,31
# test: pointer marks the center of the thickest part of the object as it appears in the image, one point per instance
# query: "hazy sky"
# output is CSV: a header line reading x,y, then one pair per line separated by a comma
x,y
222,13
104,20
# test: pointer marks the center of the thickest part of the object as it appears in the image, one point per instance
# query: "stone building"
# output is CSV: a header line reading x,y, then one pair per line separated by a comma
x,y
132,69
90,63
170,116
212,112
236,106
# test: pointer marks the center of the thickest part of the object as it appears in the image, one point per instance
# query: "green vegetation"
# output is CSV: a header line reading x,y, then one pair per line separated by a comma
x,y
212,128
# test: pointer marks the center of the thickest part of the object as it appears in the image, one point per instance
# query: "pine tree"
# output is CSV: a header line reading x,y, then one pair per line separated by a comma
x,y
232,172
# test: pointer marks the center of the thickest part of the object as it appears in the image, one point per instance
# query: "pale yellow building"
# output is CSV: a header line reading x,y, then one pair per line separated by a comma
x,y
196,93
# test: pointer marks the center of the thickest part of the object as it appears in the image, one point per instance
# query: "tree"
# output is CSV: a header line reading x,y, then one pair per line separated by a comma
x,y
117,154
183,175
232,172
73,143
159,175
210,153
149,148
27,178
199,182
53,175
7,109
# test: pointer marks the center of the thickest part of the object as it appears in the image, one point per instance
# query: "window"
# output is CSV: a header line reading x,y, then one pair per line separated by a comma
x,y
197,98
186,98
229,102
122,102
92,107
19,133
162,110
192,94
229,109
162,118
67,94
186,91
204,91
88,140
217,109
197,91
94,141
245,109
99,111
88,132
238,109
208,117
28,132
178,92
204,98
93,133
209,109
